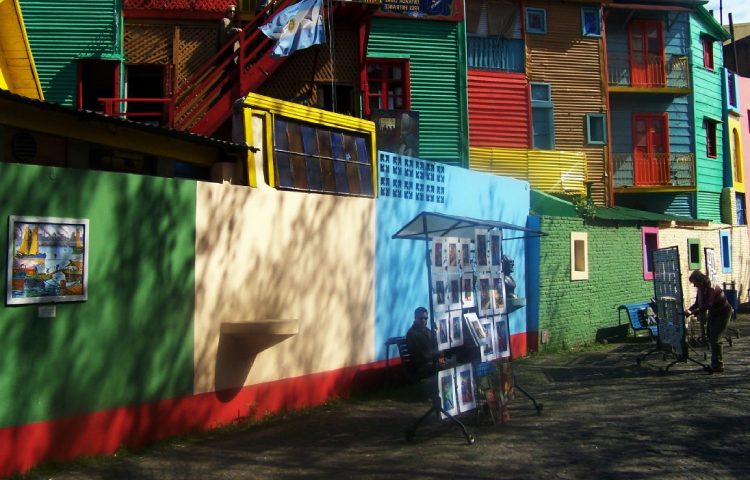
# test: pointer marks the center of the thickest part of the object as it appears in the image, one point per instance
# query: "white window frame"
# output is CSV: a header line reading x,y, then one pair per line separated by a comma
x,y
579,256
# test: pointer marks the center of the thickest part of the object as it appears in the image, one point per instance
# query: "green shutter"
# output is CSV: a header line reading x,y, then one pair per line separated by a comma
x,y
61,32
438,81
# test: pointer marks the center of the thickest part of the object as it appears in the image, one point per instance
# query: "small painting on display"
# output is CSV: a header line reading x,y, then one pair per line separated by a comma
x,y
447,390
454,292
439,287
443,330
467,291
456,328
485,295
465,383
502,336
498,293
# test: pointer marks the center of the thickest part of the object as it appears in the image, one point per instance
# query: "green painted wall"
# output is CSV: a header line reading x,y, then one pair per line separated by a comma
x,y
132,341
707,103
436,52
61,31
573,311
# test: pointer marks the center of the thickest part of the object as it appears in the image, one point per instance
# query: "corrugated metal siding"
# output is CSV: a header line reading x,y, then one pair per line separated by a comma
x,y
551,171
667,203
624,105
438,86
707,102
498,109
60,32
571,63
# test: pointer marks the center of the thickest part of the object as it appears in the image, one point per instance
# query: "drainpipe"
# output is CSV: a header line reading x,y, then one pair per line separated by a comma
x,y
609,183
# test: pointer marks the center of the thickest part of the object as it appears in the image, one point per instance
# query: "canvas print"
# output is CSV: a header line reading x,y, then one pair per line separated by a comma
x,y
443,330
488,349
439,286
498,294
465,248
467,291
465,383
456,329
478,333
447,388
438,257
47,260
495,249
454,292
453,254
502,336
485,295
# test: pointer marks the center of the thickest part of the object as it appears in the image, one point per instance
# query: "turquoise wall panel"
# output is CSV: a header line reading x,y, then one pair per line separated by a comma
x,y
438,81
131,342
401,282
62,31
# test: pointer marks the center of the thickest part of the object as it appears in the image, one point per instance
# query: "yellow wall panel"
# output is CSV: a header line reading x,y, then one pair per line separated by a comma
x,y
17,70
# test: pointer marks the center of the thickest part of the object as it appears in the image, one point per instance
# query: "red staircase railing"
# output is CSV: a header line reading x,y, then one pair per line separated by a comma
x,y
205,101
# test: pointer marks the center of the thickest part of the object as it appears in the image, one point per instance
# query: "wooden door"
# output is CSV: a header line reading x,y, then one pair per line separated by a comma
x,y
650,149
646,46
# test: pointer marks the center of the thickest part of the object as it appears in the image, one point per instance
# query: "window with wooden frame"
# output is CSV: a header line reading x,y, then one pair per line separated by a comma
x,y
314,158
542,116
737,155
694,253
579,256
708,51
387,85
596,128
646,53
536,20
709,126
650,242
726,252
591,21
651,161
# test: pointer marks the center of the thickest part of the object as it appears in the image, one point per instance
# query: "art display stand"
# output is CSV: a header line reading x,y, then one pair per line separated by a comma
x,y
670,313
468,307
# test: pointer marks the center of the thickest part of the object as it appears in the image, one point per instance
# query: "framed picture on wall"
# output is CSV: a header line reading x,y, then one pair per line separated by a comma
x,y
442,325
481,247
438,256
465,386
454,254
478,333
496,251
447,388
47,260
488,349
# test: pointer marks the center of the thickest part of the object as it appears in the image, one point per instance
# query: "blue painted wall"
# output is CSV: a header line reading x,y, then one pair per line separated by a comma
x,y
624,105
409,186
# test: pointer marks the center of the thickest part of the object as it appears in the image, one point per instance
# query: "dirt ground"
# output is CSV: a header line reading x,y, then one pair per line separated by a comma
x,y
603,416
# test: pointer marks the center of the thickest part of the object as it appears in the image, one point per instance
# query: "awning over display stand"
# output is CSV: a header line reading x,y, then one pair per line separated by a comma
x,y
427,225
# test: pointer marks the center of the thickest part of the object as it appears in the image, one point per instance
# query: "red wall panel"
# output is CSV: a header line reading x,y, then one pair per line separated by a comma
x,y
498,109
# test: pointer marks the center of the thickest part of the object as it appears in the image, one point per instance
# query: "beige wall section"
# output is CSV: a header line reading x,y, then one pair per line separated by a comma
x,y
709,237
263,254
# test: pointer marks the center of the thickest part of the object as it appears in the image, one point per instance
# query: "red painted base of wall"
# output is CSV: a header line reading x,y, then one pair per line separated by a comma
x,y
104,432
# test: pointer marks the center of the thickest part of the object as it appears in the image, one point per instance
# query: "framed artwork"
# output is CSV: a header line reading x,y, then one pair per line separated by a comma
x,y
477,332
465,251
485,295
502,336
456,329
496,251
438,260
453,292
439,287
488,350
498,293
465,383
481,249
47,260
454,254
447,388
443,330
467,291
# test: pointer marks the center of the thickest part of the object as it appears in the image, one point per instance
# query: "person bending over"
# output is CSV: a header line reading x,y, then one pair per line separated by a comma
x,y
710,299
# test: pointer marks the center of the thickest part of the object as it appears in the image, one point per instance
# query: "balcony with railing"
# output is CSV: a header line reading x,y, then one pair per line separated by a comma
x,y
666,73
669,171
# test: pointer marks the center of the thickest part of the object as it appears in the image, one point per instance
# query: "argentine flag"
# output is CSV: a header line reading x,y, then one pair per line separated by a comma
x,y
296,27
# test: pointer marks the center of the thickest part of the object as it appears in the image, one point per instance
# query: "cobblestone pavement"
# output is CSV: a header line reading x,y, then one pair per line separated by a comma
x,y
604,416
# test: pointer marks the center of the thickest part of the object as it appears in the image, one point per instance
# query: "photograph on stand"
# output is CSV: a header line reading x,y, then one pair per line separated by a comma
x,y
485,295
502,336
488,348
477,332
481,250
443,330
454,292
465,247
454,254
465,378
495,250
467,291
439,253
439,299
456,328
447,390
498,294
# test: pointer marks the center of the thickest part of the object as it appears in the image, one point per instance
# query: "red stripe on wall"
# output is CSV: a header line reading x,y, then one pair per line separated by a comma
x,y
498,109
105,432
518,345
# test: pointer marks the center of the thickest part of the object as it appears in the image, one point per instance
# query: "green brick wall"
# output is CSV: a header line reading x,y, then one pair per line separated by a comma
x,y
573,311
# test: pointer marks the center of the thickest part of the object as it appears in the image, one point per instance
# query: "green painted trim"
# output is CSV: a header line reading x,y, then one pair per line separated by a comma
x,y
694,245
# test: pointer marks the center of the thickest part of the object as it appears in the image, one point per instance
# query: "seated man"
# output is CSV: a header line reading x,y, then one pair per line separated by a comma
x,y
422,345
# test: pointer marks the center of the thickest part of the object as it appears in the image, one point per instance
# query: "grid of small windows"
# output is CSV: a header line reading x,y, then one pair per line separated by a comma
x,y
318,159
411,178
